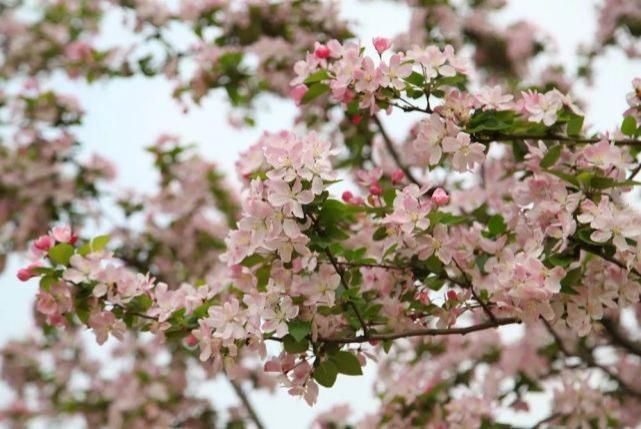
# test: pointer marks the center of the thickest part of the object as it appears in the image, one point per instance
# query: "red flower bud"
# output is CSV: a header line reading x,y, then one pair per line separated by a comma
x,y
397,176
321,52
440,197
375,189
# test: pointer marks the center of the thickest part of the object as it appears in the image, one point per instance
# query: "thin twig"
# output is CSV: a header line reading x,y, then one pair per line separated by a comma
x,y
246,402
470,286
341,274
390,148
588,358
620,339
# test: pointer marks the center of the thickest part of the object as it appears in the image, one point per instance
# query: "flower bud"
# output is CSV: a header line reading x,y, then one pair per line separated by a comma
x,y
381,44
375,189
440,197
397,176
43,243
321,51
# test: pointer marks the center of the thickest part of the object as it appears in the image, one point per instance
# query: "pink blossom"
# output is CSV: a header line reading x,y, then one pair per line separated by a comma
x,y
410,210
493,98
440,197
24,274
43,243
427,143
62,234
291,198
381,44
276,317
321,51
397,176
604,155
298,92
394,73
466,154
541,107
228,320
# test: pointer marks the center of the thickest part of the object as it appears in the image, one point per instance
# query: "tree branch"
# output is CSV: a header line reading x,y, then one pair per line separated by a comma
x,y
552,137
620,339
390,148
246,402
341,274
427,332
588,358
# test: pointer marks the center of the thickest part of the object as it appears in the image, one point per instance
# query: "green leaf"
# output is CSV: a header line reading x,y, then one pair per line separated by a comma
x,y
47,281
629,126
380,233
299,329
551,156
599,182
293,346
565,176
575,125
99,243
495,226
61,253
490,120
347,363
571,279
316,77
415,79
262,276
325,373
434,264
315,91
252,260
434,283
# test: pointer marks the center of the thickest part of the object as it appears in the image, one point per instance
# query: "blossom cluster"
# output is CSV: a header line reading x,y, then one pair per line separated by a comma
x,y
344,247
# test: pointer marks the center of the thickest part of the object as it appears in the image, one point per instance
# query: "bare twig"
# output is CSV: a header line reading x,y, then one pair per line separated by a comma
x,y
470,286
246,402
620,339
390,148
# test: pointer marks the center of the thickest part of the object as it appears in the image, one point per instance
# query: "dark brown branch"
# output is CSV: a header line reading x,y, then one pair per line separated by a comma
x,y
135,313
470,286
619,339
341,274
427,332
246,402
390,148
596,250
587,357
567,139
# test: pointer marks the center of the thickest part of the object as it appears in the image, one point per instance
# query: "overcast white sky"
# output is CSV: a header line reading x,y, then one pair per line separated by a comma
x,y
124,116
